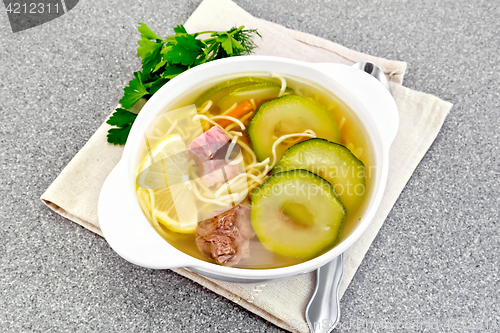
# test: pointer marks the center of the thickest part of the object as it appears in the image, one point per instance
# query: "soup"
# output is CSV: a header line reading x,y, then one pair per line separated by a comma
x,y
256,170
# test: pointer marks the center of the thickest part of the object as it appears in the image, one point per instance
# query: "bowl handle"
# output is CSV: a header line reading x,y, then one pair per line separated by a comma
x,y
370,93
127,230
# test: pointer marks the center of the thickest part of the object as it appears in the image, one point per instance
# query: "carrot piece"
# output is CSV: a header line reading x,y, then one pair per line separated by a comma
x,y
239,111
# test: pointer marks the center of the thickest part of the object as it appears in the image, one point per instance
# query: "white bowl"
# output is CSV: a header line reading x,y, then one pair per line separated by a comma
x,y
129,233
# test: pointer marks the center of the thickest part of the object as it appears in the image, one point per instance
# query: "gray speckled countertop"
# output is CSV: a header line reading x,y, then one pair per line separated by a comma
x,y
434,264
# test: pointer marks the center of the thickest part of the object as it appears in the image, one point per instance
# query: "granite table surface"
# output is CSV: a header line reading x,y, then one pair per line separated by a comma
x,y
435,260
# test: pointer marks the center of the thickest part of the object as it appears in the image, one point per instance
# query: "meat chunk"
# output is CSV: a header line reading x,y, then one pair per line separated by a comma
x,y
225,237
204,150
206,145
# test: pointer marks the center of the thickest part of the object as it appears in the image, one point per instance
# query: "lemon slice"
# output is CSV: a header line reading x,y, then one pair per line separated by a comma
x,y
166,214
166,146
164,173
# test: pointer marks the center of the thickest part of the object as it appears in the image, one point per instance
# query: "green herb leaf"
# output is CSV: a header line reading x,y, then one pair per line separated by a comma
x,y
147,48
160,65
146,32
229,44
180,29
236,44
226,43
186,50
150,63
169,73
156,85
166,48
118,136
172,71
171,40
133,92
245,39
121,117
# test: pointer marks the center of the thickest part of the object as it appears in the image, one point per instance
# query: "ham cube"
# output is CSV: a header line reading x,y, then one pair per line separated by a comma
x,y
204,148
206,145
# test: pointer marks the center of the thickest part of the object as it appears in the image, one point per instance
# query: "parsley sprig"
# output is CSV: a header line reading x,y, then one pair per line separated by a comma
x,y
164,59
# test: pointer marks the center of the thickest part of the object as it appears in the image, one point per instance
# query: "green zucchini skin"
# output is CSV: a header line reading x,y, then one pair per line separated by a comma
x,y
259,92
285,115
278,230
222,89
331,161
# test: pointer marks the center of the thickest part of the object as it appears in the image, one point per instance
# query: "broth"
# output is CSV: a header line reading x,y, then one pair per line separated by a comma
x,y
353,135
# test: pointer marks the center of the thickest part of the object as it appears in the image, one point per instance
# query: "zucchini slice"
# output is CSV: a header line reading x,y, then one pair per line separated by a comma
x,y
222,89
286,115
259,92
297,214
331,161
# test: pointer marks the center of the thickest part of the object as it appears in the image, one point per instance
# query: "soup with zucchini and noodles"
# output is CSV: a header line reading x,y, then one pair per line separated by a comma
x,y
256,170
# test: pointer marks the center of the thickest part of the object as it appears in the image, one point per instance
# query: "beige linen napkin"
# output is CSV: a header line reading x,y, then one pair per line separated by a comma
x,y
74,193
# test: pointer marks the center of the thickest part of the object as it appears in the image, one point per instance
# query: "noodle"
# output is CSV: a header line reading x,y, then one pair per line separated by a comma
x,y
243,119
230,109
207,107
213,123
207,191
171,127
183,134
308,133
256,165
237,161
250,151
230,149
235,132
291,141
234,180
247,116
283,83
231,119
266,169
201,198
